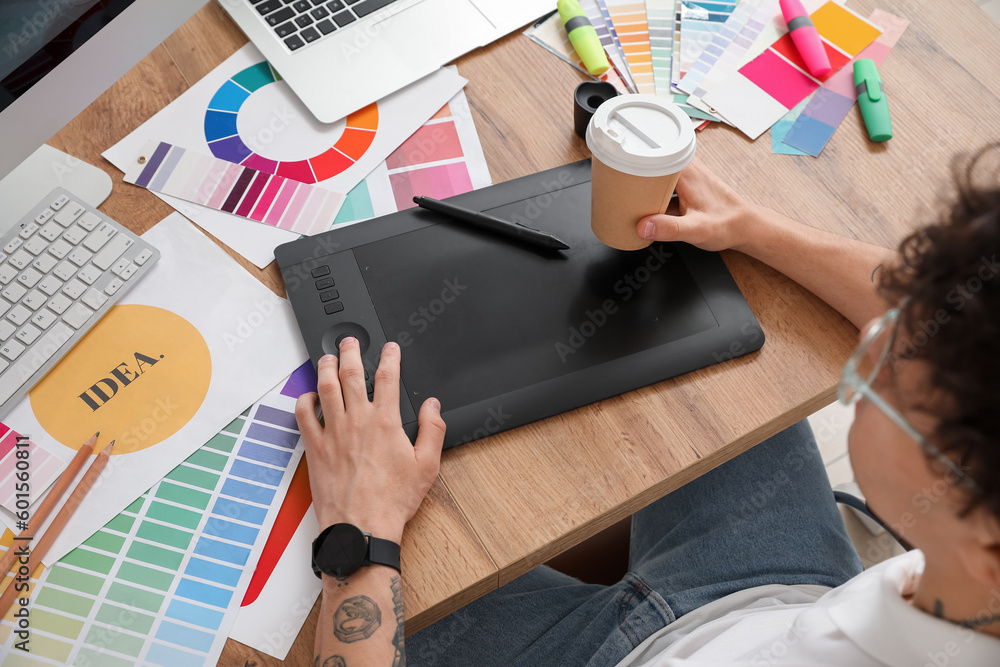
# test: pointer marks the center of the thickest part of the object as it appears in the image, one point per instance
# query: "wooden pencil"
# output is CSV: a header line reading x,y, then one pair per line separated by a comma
x,y
49,501
59,523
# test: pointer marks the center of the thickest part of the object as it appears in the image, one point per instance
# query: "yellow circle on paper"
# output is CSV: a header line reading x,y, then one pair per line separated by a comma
x,y
137,377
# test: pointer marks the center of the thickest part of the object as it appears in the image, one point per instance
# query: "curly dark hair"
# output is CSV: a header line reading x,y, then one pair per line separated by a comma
x,y
948,275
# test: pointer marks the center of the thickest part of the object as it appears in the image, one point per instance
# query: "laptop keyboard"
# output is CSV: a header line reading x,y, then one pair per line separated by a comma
x,y
301,22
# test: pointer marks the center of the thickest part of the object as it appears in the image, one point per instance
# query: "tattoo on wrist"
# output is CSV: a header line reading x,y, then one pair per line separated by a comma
x,y
332,661
357,618
874,271
397,605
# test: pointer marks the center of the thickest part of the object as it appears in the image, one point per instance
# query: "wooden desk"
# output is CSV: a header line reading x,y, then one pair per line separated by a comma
x,y
509,502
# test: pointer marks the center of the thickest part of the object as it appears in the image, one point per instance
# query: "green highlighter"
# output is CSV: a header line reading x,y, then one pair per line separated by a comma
x,y
583,37
872,100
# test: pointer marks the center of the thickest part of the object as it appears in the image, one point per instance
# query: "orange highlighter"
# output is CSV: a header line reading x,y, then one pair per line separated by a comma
x,y
805,37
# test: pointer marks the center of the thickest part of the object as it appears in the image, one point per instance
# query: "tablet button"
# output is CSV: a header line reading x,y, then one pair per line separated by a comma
x,y
334,307
324,283
329,296
321,271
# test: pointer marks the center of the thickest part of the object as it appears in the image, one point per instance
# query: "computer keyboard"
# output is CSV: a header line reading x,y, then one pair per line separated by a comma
x,y
301,22
62,267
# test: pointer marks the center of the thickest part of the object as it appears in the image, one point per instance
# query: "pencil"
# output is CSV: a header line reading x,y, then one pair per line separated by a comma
x,y
50,500
59,523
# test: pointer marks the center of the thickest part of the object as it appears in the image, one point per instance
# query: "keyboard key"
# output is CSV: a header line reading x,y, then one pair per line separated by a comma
x,y
44,216
14,292
59,249
6,330
120,265
34,300
335,6
36,245
74,234
4,306
19,373
45,263
29,278
28,230
128,272
310,34
13,245
68,215
74,289
265,8
18,314
77,316
7,273
28,334
50,285
303,21
343,18
20,259
301,6
113,286
43,319
94,298
51,231
143,256
280,16
89,221
60,201
80,256
112,251
59,303
326,27
286,29
64,271
367,7
12,349
99,237
89,274
319,13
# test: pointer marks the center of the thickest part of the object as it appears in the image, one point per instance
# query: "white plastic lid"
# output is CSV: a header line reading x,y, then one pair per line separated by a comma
x,y
641,135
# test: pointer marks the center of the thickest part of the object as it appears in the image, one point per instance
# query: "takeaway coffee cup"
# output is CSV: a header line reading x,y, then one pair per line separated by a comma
x,y
640,143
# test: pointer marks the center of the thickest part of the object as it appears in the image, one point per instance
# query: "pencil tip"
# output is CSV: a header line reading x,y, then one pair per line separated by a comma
x,y
96,435
108,448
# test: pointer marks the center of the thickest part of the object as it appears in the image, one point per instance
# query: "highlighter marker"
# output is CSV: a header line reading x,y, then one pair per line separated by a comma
x,y
583,37
871,99
805,37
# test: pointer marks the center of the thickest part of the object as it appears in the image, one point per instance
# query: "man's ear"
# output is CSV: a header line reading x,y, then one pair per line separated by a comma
x,y
982,557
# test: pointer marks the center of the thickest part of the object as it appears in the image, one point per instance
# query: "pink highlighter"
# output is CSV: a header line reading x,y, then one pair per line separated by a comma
x,y
805,37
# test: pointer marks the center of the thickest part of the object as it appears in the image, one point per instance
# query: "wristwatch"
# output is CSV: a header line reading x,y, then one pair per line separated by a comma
x,y
343,549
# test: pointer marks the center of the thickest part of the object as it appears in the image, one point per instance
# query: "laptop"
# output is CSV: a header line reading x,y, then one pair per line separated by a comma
x,y
339,56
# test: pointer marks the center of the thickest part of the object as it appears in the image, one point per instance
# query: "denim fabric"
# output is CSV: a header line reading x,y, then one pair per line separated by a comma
x,y
765,517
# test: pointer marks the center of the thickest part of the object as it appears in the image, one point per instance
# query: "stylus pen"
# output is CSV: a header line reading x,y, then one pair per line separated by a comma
x,y
514,230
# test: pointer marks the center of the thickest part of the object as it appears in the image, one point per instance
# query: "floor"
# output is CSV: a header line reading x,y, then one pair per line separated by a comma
x,y
832,423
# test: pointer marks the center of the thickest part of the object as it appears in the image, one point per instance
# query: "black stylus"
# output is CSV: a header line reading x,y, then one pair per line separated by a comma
x,y
512,229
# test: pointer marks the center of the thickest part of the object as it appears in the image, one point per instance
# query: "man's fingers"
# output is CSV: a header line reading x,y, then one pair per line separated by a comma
x,y
662,227
305,415
430,438
352,373
331,397
387,380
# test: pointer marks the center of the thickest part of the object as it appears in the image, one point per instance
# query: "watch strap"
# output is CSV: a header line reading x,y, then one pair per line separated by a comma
x,y
383,552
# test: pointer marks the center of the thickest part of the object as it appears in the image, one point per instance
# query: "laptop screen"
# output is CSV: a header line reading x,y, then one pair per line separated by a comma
x,y
37,35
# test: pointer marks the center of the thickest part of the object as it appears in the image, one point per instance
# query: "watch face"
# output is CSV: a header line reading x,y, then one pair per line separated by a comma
x,y
343,551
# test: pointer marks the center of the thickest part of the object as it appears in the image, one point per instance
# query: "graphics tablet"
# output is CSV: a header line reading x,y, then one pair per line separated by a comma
x,y
504,334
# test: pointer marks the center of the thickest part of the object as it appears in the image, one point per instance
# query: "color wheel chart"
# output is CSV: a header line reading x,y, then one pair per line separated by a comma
x,y
160,584
223,137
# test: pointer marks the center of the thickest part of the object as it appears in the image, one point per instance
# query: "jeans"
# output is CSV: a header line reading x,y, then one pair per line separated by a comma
x,y
765,517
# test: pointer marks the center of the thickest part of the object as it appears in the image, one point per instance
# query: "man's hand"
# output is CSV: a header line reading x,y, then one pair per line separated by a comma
x,y
362,468
713,215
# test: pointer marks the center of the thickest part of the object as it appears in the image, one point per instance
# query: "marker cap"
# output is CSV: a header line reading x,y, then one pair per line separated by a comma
x,y
642,135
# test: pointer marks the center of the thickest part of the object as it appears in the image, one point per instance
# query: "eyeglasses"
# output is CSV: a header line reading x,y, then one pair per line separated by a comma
x,y
860,373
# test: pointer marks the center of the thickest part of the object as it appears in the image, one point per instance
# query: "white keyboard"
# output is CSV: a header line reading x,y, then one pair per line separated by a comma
x,y
62,267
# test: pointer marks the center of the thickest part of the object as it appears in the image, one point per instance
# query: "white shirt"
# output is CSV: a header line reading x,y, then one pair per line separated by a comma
x,y
864,623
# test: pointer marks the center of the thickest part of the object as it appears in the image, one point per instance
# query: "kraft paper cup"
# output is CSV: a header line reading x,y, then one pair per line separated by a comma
x,y
640,143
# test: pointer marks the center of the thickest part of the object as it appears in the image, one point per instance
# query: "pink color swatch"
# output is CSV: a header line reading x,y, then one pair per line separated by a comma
x,y
779,79
431,143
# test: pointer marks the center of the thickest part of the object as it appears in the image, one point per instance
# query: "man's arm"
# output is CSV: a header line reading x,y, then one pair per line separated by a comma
x,y
839,270
363,471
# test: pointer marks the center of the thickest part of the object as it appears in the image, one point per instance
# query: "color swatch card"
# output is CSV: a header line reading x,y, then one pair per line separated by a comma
x,y
244,113
829,106
549,33
608,40
208,181
629,20
42,467
182,354
766,88
728,45
701,21
161,582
